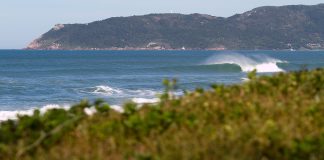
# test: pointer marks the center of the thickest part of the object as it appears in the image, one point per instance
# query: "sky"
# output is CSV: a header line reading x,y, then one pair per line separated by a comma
x,y
22,21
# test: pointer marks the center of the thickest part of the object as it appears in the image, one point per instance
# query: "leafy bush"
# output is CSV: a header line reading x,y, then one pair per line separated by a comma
x,y
269,117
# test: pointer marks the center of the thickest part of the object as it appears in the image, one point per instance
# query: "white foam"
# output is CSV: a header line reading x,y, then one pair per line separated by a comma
x,y
12,115
245,79
103,90
117,108
6,115
145,100
261,63
106,90
117,92
90,111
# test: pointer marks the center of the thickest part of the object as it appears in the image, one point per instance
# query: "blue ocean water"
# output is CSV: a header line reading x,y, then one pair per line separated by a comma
x,y
30,79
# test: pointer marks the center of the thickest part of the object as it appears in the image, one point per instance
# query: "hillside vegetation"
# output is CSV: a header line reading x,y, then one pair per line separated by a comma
x,y
269,117
269,28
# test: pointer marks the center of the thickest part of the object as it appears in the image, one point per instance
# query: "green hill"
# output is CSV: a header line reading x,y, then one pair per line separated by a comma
x,y
277,117
270,28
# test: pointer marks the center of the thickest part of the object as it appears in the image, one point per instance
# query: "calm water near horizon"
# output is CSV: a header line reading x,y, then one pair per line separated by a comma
x,y
30,79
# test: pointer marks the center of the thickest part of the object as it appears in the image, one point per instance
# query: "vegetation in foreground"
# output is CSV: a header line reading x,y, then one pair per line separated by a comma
x,y
277,117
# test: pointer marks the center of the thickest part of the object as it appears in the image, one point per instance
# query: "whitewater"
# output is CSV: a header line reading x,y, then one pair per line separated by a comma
x,y
45,80
135,96
260,63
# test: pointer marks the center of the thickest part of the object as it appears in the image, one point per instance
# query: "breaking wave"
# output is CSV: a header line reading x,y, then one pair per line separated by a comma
x,y
12,115
118,92
261,63
107,90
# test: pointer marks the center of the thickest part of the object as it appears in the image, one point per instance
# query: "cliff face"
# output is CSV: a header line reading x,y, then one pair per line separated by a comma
x,y
286,27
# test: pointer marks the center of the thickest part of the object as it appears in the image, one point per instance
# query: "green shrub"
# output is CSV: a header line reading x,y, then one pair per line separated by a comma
x,y
269,117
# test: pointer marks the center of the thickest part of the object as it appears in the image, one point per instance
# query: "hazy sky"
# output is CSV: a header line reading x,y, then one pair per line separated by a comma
x,y
21,21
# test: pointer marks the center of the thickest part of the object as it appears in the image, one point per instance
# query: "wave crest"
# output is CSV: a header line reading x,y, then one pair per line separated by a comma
x,y
261,63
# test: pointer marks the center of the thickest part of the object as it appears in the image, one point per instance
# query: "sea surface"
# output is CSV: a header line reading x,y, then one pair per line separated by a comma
x,y
47,79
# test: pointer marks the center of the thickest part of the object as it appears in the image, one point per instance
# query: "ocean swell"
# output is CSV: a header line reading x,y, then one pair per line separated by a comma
x,y
261,63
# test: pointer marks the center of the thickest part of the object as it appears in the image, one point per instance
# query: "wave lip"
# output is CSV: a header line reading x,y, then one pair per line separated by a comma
x,y
261,63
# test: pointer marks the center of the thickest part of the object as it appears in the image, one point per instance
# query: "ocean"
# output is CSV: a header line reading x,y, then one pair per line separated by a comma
x,y
51,79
